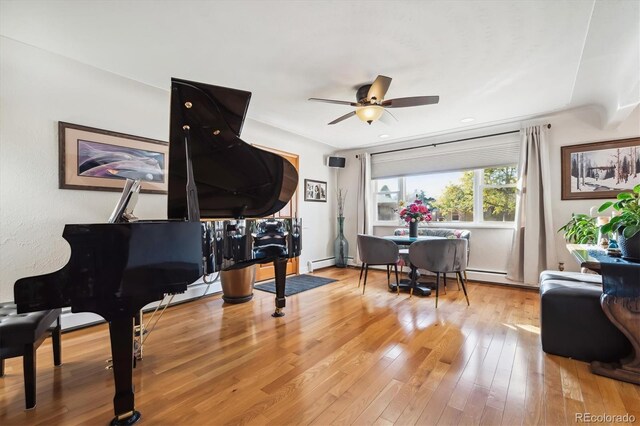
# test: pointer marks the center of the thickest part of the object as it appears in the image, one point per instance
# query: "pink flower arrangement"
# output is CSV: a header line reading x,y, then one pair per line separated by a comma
x,y
415,212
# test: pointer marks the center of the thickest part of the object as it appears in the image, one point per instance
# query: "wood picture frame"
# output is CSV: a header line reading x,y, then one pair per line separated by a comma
x,y
101,160
600,169
315,190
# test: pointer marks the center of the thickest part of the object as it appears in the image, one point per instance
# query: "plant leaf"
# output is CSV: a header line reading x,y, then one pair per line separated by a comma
x,y
606,205
615,220
624,196
636,189
630,231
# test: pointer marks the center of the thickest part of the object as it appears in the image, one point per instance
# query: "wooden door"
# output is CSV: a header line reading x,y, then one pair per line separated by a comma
x,y
266,271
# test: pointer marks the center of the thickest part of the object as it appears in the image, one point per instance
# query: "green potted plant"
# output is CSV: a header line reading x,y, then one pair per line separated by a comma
x,y
581,229
626,222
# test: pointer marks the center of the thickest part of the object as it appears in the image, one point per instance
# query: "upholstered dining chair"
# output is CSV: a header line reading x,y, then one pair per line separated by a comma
x,y
377,251
441,256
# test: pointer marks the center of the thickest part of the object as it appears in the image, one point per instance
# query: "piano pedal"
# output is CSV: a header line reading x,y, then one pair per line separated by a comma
x,y
109,363
137,331
137,350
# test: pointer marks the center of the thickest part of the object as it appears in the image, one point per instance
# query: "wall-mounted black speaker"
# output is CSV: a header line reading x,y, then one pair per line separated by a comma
x,y
338,162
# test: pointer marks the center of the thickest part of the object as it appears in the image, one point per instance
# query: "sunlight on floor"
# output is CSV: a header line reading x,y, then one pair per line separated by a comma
x,y
526,327
530,328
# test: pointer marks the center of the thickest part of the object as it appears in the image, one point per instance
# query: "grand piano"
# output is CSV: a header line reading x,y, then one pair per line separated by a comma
x,y
220,191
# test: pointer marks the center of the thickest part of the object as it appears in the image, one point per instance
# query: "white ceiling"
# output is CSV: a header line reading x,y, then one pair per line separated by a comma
x,y
495,61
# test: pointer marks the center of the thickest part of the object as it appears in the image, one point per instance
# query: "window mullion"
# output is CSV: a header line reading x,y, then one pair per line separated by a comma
x,y
478,184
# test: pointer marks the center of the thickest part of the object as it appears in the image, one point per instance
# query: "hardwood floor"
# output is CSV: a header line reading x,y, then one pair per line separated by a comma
x,y
337,357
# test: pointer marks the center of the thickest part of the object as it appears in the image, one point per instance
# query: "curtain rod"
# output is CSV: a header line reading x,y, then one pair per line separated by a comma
x,y
548,126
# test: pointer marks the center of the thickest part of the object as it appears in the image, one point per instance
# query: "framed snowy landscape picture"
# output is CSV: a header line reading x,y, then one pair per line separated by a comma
x,y
601,169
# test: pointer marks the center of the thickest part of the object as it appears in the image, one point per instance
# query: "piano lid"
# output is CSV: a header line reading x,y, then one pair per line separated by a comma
x,y
233,178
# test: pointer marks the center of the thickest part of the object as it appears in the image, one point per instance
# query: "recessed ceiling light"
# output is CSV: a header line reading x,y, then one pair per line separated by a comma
x,y
383,136
467,120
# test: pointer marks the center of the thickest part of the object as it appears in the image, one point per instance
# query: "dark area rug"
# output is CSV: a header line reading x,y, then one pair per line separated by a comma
x,y
296,284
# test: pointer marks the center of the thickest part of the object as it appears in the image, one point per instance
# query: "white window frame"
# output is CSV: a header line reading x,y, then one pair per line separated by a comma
x,y
478,212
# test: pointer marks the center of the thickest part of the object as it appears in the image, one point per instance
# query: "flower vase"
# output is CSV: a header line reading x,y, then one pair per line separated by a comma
x,y
413,229
341,245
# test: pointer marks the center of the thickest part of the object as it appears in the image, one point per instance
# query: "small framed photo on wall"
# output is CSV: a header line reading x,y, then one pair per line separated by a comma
x,y
315,190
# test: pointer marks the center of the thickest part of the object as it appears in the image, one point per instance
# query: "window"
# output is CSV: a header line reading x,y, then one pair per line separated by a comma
x,y
482,195
387,197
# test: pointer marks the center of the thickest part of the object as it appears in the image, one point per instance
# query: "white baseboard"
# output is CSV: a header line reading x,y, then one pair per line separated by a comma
x,y
493,277
196,290
316,264
480,276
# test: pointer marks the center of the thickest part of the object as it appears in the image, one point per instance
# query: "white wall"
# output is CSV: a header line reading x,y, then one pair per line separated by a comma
x,y
38,89
490,247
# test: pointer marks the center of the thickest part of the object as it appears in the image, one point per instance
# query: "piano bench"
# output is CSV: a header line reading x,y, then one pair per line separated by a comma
x,y
21,334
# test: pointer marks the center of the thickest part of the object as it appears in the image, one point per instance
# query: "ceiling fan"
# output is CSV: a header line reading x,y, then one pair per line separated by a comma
x,y
371,105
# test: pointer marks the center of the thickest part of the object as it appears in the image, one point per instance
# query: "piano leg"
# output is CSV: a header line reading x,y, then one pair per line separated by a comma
x,y
121,331
280,266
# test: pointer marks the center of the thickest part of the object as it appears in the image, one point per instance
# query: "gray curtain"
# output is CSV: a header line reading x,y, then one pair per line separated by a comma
x,y
363,221
533,248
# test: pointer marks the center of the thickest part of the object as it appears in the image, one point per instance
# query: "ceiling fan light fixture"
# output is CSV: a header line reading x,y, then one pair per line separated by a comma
x,y
371,105
369,113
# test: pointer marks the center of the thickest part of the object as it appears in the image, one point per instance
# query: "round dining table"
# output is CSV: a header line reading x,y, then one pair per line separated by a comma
x,y
419,288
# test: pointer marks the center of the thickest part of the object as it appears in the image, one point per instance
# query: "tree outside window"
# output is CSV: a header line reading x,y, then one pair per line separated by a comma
x,y
456,202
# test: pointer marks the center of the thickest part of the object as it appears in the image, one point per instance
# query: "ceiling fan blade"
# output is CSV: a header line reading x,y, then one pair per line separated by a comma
x,y
411,101
333,101
343,117
379,87
388,118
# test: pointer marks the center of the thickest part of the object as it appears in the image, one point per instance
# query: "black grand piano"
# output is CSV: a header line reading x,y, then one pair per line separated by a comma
x,y
220,191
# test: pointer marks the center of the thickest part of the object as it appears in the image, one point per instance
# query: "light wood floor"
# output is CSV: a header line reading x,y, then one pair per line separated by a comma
x,y
337,357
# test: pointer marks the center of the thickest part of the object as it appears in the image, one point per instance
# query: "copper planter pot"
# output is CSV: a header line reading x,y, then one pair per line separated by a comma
x,y
237,284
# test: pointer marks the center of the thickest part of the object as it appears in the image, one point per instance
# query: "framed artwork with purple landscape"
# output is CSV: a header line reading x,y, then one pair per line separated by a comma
x,y
600,169
101,160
